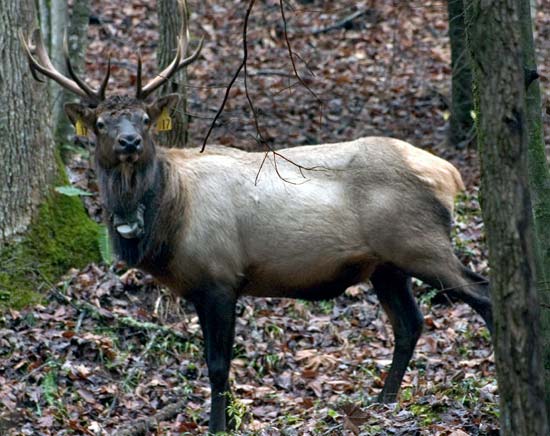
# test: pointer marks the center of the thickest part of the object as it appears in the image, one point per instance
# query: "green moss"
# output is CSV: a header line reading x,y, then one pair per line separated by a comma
x,y
61,236
427,413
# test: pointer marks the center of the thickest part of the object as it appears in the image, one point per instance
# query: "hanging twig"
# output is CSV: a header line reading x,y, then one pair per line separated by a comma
x,y
260,139
228,90
291,55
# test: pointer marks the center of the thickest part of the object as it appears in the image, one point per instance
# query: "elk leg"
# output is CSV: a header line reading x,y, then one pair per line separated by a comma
x,y
216,311
393,288
479,299
464,284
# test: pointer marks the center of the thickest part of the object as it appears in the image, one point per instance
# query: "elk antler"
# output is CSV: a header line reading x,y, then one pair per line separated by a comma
x,y
40,61
177,63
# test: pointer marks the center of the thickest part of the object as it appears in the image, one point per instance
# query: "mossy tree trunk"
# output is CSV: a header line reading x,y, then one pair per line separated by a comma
x,y
42,233
26,146
502,131
539,179
169,29
461,122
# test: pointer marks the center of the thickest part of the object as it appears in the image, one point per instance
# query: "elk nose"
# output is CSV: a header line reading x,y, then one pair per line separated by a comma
x,y
130,143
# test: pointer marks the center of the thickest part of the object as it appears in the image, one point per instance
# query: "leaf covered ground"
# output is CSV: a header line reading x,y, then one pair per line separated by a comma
x,y
109,352
96,359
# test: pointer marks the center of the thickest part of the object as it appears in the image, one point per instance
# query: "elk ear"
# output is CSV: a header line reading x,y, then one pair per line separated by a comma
x,y
160,104
77,111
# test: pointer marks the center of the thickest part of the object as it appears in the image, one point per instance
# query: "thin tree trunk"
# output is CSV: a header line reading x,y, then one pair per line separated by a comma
x,y
169,29
28,163
533,4
539,179
44,14
506,205
58,22
78,41
461,122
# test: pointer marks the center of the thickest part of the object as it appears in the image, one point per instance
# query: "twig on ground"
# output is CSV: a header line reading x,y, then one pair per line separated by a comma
x,y
344,22
145,425
111,317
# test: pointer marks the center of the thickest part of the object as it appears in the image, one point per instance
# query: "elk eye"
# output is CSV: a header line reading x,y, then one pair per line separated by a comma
x,y
100,125
146,120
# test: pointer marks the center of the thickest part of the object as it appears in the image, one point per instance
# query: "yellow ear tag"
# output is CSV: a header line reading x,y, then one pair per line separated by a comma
x,y
81,129
164,122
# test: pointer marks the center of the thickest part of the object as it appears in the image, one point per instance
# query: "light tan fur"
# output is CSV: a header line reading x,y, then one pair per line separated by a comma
x,y
360,203
440,175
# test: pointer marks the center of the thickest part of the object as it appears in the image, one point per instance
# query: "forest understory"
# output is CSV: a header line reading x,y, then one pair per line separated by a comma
x,y
110,352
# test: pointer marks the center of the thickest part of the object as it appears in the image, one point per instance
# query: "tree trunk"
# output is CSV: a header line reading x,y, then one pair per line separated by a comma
x,y
42,233
169,29
539,179
26,146
78,42
461,122
58,25
506,206
44,15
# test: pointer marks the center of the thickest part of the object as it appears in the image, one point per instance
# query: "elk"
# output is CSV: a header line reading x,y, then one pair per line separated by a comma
x,y
374,208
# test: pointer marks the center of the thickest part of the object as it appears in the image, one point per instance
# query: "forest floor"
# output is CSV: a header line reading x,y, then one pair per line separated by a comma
x,y
110,352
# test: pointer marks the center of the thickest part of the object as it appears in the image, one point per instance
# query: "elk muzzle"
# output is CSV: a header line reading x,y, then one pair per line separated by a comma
x,y
129,144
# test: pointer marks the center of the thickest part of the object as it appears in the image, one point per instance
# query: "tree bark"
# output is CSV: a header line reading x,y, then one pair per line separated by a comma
x,y
42,233
44,15
26,146
461,122
169,28
506,206
539,180
58,25
78,41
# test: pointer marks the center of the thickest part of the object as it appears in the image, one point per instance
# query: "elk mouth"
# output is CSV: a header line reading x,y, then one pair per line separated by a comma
x,y
129,157
129,154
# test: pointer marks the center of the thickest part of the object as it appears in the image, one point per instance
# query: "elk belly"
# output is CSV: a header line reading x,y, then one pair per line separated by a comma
x,y
303,240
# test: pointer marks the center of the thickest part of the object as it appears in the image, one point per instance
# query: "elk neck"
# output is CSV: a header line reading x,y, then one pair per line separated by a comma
x,y
132,192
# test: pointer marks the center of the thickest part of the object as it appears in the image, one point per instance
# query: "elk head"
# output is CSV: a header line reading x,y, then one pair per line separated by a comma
x,y
121,124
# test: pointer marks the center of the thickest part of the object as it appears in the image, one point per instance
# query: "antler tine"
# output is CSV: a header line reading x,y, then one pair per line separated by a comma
x,y
83,85
184,31
95,94
103,87
43,64
180,61
162,77
138,77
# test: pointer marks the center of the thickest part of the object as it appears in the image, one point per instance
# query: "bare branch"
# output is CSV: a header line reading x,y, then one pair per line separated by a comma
x,y
242,64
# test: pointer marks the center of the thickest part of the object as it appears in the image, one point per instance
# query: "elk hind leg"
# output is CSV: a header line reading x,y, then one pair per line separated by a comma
x,y
453,278
393,288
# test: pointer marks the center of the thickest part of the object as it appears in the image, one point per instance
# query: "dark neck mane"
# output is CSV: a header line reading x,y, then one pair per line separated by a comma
x,y
123,188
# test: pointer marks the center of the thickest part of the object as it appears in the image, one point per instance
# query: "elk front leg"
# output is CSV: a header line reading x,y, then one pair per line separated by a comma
x,y
216,311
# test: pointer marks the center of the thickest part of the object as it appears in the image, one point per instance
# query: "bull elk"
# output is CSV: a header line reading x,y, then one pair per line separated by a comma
x,y
374,208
